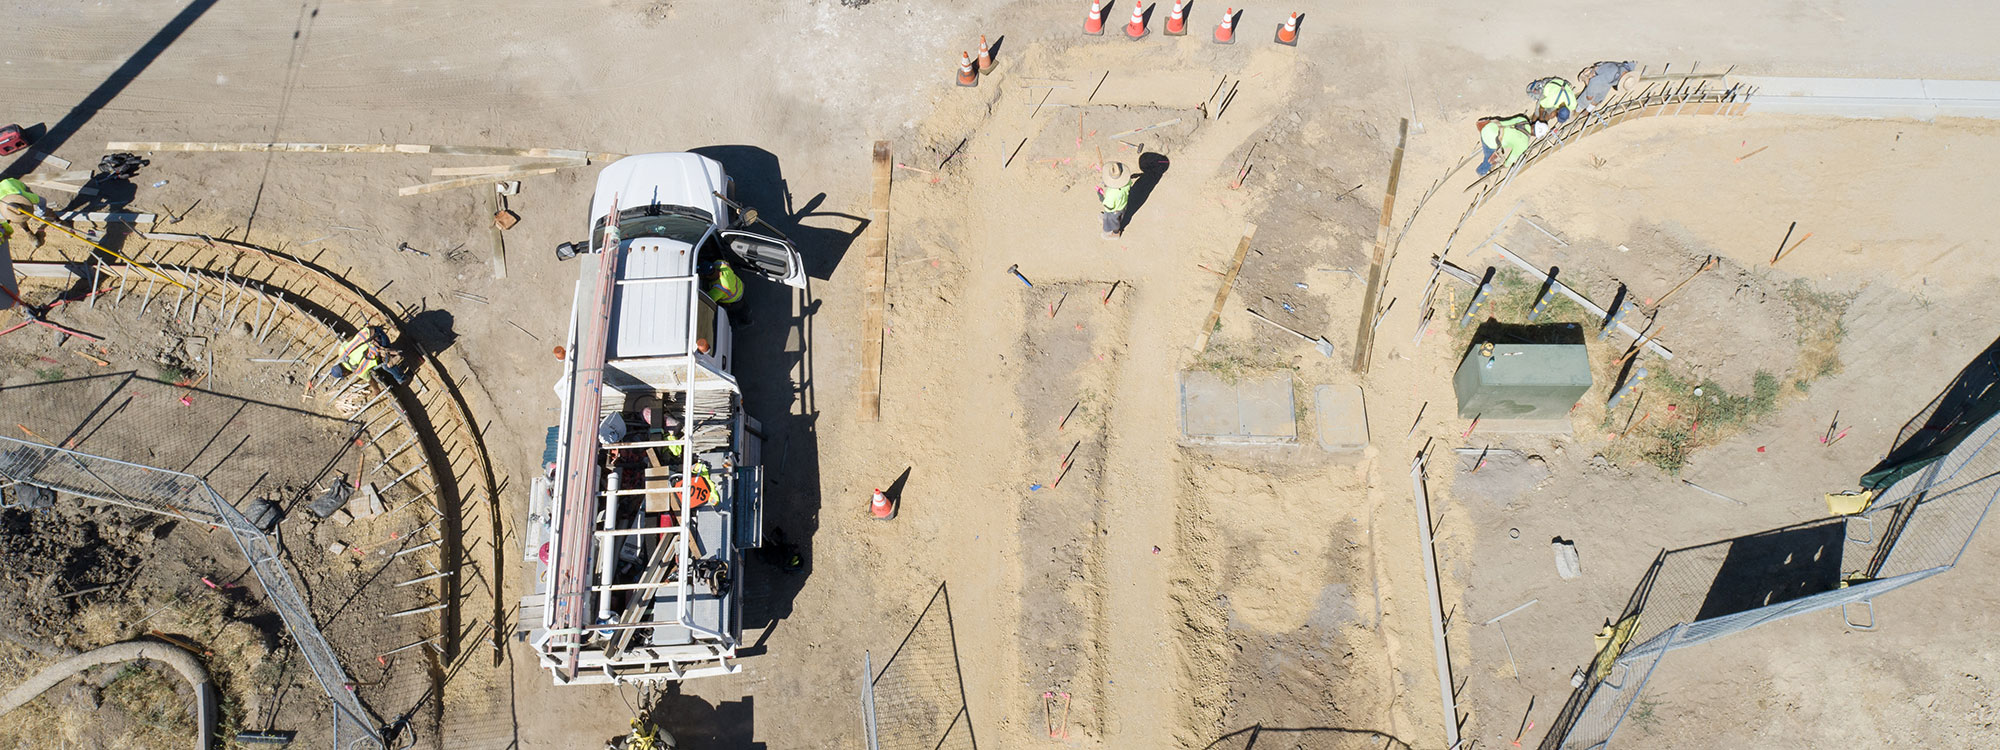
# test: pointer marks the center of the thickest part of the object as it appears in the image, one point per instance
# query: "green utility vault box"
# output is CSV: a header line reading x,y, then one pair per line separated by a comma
x,y
1522,381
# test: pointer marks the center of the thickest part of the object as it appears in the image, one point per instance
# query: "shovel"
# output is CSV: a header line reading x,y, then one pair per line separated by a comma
x,y
1324,346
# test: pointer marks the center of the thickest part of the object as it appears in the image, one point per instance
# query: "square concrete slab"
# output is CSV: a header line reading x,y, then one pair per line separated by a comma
x,y
1254,410
1341,418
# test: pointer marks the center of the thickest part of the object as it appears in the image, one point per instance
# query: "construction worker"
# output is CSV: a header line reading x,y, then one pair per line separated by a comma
x,y
1599,79
361,356
720,281
1505,140
1115,194
16,203
1554,98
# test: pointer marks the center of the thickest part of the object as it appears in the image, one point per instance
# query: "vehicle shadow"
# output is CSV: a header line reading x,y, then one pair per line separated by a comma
x,y
774,366
695,723
760,184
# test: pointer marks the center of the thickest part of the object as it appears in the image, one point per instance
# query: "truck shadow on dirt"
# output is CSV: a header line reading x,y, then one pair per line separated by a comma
x,y
775,369
696,723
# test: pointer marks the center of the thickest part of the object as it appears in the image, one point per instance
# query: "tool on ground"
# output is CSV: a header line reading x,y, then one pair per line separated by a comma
x,y
1016,270
1760,149
11,140
107,251
1705,265
1107,292
1288,32
1324,346
405,247
1344,193
1708,491
39,317
1830,427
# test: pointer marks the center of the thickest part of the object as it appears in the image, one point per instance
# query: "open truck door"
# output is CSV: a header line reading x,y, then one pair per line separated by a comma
x,y
772,258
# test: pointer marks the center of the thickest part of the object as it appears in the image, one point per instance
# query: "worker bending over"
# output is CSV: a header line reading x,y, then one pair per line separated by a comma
x,y
16,204
1505,140
1554,99
361,356
1599,79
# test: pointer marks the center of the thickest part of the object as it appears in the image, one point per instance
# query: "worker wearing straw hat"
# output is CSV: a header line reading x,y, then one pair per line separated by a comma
x,y
1115,193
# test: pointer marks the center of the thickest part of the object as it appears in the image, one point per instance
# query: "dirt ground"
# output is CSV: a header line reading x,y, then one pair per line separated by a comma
x,y
1181,595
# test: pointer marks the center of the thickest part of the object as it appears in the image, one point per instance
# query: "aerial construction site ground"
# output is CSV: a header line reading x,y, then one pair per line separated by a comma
x,y
1166,592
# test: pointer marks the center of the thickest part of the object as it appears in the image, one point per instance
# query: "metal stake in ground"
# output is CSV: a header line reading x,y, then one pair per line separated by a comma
x,y
38,317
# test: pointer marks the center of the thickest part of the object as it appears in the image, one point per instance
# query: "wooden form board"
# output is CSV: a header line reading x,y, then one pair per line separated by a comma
x,y
1222,295
362,148
1364,336
484,179
875,285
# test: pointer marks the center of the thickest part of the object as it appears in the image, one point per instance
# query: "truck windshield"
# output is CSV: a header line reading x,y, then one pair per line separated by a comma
x,y
668,222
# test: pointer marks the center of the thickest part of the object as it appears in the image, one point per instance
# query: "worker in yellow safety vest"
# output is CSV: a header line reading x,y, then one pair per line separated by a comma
x,y
1554,99
1115,194
722,284
16,204
361,356
1505,140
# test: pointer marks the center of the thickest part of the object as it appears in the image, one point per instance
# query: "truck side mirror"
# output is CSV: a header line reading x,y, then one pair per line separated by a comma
x,y
565,251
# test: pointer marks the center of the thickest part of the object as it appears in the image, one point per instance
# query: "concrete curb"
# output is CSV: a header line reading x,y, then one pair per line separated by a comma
x,y
1913,98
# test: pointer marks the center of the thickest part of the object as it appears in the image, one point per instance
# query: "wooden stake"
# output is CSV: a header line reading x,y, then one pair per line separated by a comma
x,y
1364,339
1222,295
1788,251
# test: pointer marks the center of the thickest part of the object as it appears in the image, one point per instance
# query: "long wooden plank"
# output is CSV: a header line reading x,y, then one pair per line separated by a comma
x,y
1364,336
361,148
492,168
460,182
1439,650
875,285
1222,295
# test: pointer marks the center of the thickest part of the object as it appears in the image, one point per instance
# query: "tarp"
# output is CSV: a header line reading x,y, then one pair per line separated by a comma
x,y
1967,403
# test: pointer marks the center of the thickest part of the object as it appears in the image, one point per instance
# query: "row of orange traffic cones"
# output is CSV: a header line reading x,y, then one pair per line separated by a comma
x,y
1225,32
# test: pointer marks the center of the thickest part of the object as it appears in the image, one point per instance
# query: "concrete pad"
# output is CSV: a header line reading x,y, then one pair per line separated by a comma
x,y
1254,410
1341,418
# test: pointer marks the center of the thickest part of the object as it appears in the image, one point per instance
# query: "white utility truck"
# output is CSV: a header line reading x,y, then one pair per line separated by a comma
x,y
655,486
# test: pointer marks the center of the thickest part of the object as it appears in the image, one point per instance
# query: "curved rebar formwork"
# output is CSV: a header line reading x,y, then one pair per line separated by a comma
x,y
419,442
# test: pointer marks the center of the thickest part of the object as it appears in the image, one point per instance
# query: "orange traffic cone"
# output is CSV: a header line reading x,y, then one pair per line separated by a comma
x,y
1136,29
1176,21
1225,32
966,77
880,508
985,56
1288,34
1094,25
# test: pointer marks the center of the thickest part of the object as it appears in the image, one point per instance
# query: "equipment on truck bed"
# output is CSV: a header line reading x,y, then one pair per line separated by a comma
x,y
658,477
